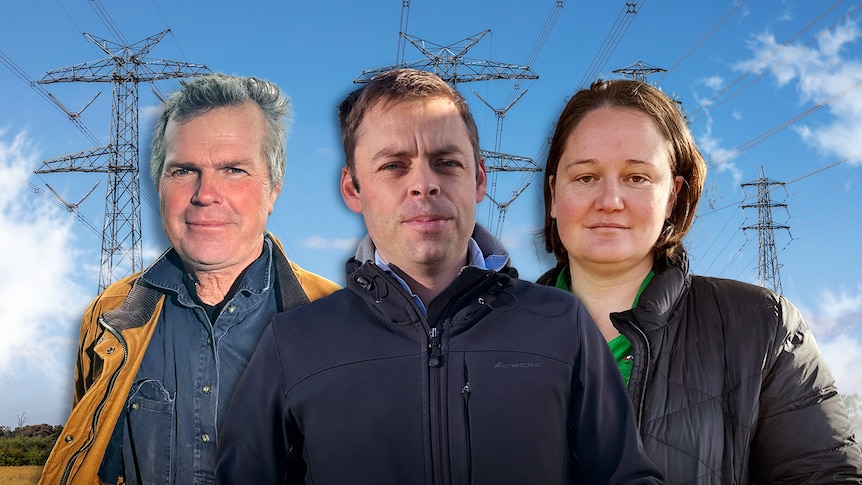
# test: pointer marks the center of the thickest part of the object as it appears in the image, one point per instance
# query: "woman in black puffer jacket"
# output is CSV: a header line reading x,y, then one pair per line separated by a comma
x,y
727,383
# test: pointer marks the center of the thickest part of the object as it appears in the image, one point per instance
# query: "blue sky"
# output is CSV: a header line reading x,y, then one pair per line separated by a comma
x,y
765,84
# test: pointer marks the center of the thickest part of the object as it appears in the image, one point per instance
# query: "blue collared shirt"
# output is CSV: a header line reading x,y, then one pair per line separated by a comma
x,y
188,374
475,258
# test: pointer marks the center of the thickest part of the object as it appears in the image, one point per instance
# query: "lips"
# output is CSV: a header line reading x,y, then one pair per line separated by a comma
x,y
606,225
204,224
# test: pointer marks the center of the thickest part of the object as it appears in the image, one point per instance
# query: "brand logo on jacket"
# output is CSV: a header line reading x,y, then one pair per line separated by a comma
x,y
517,365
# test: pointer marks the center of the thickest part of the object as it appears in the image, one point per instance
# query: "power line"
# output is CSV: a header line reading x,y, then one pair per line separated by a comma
x,y
747,145
703,39
125,67
611,41
710,105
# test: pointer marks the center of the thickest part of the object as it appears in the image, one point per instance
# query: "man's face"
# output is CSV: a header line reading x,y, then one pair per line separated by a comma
x,y
214,189
418,184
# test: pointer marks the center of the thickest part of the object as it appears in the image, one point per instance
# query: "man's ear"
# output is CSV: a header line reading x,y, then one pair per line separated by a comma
x,y
481,180
349,192
272,196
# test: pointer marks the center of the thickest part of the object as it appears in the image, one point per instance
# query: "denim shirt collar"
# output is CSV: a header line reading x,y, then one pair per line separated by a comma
x,y
167,274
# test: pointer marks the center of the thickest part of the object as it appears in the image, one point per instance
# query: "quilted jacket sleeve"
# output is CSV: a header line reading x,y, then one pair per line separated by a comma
x,y
803,434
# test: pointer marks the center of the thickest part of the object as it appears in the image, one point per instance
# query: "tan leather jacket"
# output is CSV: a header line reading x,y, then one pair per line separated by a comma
x,y
115,332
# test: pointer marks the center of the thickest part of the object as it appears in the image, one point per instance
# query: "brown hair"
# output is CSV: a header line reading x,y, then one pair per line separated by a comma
x,y
685,159
396,86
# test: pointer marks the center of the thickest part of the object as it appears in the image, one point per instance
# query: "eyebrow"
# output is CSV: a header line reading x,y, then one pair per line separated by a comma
x,y
593,161
390,152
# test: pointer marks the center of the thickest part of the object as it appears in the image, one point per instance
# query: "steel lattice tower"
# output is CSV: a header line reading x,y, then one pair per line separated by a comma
x,y
124,68
767,257
638,71
450,62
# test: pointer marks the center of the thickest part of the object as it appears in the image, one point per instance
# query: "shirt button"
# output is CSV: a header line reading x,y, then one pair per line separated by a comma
x,y
209,340
135,406
231,308
207,389
205,438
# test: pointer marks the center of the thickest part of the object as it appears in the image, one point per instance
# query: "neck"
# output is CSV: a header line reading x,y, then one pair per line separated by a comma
x,y
213,284
212,287
606,292
428,282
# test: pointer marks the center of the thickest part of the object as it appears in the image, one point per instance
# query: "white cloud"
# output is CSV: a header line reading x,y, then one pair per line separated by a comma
x,y
39,287
713,82
320,242
836,310
826,70
837,325
841,355
717,155
151,113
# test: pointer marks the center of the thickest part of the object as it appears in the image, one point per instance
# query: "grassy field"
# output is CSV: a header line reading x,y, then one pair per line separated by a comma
x,y
20,475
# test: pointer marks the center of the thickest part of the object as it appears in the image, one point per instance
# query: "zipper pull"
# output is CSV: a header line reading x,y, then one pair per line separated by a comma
x,y
434,358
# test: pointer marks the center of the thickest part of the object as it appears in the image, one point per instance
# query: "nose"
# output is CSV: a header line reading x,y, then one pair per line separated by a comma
x,y
610,197
208,190
423,181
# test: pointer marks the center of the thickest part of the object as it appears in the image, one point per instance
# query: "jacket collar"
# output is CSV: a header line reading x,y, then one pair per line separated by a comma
x,y
143,298
496,256
660,298
382,292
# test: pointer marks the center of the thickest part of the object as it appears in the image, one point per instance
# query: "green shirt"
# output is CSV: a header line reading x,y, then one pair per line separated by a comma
x,y
620,346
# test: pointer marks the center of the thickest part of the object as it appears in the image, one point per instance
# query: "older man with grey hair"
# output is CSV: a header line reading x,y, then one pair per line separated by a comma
x,y
162,350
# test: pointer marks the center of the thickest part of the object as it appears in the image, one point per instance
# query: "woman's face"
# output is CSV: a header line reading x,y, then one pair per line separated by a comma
x,y
613,190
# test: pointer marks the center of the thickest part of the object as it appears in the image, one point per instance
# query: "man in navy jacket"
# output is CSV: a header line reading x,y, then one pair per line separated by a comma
x,y
436,364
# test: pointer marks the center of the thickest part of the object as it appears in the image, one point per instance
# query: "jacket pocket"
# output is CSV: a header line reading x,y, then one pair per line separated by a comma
x,y
149,444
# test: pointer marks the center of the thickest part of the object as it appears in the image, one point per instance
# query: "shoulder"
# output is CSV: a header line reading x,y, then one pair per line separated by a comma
x,y
114,295
733,293
315,286
551,294
747,303
547,304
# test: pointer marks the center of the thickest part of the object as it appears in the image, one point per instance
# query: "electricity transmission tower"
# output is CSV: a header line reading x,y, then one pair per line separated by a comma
x,y
124,68
639,71
767,257
497,161
451,64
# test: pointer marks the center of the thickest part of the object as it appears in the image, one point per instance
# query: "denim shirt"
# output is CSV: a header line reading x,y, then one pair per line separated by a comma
x,y
189,371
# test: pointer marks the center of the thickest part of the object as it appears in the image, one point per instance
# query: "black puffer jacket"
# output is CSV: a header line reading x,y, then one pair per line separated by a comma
x,y
729,387
504,382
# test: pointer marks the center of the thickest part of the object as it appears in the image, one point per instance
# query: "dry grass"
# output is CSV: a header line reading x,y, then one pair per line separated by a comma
x,y
20,475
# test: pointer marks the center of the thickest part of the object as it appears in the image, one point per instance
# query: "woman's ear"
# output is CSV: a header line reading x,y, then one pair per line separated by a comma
x,y
671,202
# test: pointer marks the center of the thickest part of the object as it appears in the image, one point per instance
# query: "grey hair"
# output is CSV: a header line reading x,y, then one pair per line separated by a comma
x,y
204,93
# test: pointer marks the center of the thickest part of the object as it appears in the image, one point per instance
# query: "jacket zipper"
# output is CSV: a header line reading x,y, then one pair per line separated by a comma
x,y
645,364
97,414
465,392
436,414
